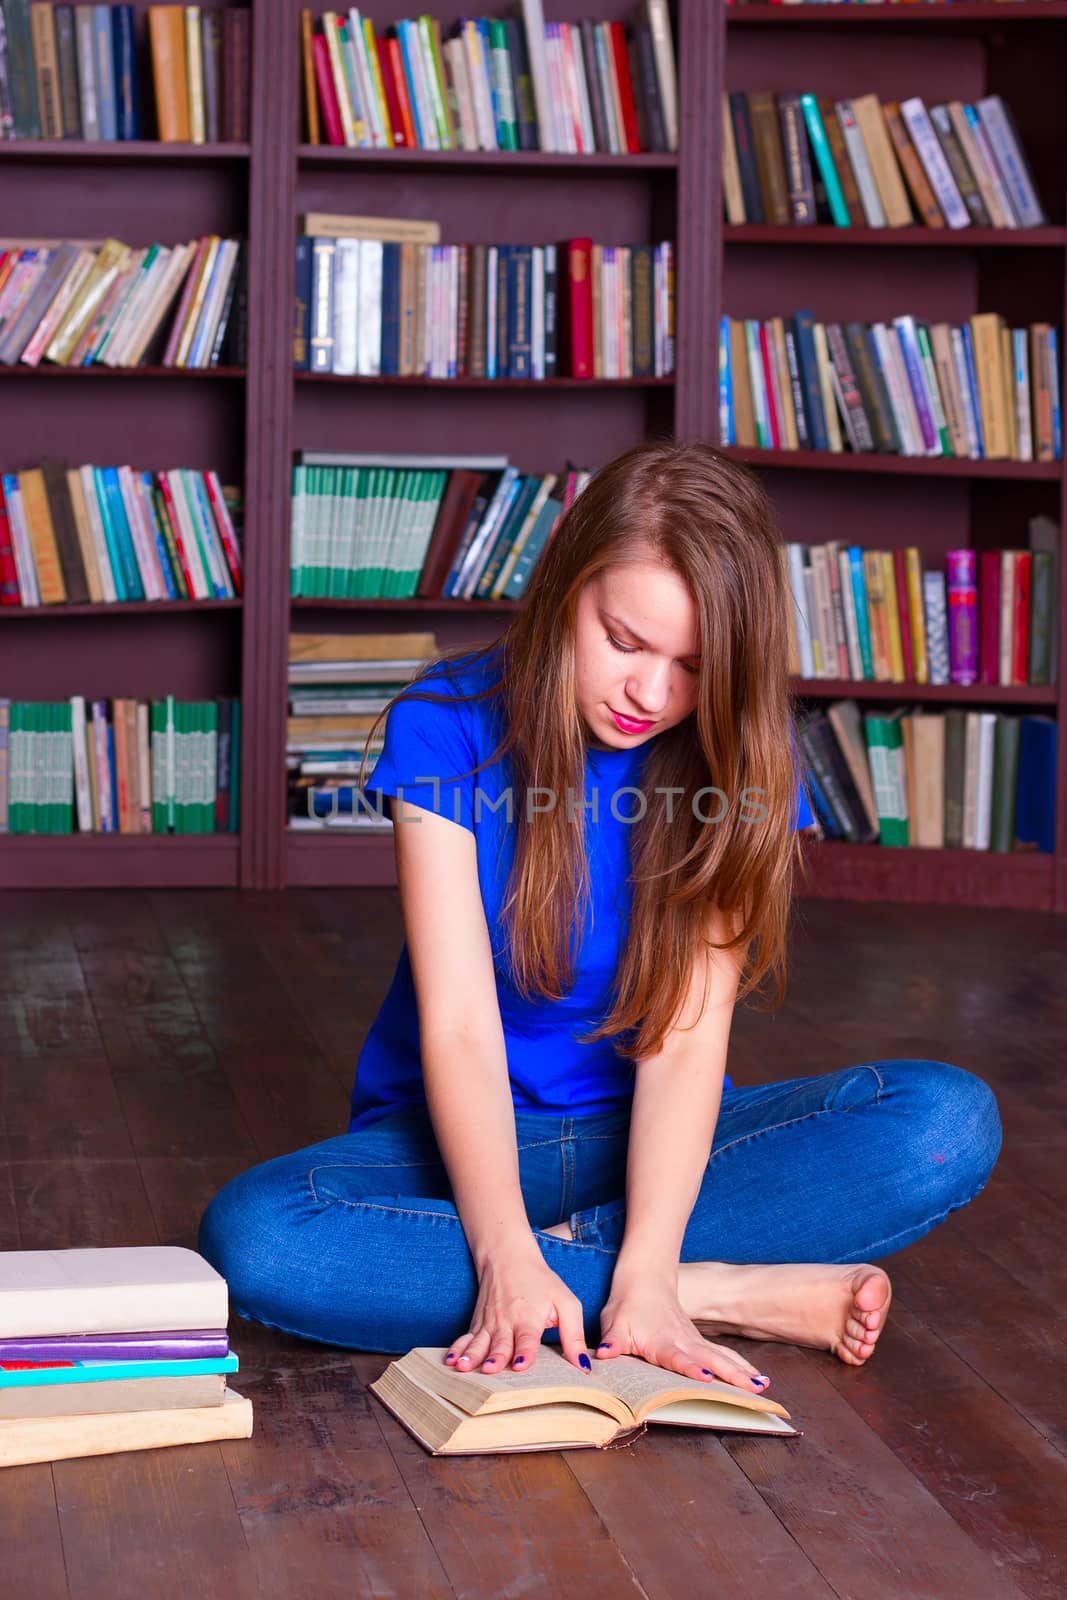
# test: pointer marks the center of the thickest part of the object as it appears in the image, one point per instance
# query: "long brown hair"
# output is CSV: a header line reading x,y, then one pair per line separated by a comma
x,y
707,519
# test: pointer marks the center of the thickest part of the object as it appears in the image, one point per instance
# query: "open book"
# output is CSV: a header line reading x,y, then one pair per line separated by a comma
x,y
554,1406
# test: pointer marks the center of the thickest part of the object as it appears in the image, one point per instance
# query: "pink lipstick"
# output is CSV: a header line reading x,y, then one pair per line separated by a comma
x,y
630,724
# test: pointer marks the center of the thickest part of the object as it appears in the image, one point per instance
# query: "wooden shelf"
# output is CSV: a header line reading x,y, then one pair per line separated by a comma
x,y
339,860
486,383
1052,238
100,861
906,466
486,160
935,693
834,871
118,608
413,603
100,371
75,150
966,14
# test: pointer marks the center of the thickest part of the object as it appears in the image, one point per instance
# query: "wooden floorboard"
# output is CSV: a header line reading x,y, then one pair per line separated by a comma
x,y
153,1045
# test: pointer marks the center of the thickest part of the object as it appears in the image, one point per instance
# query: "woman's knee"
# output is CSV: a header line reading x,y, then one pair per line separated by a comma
x,y
955,1122
244,1230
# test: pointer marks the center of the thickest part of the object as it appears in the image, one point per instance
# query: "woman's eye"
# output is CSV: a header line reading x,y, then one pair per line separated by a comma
x,y
693,671
624,649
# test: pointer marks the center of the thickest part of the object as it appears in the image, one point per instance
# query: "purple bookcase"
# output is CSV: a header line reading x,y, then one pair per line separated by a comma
x,y
247,423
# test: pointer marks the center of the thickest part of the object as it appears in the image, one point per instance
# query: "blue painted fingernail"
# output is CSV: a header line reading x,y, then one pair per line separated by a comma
x,y
605,1346
519,1360
706,1371
489,1360
451,1356
584,1362
759,1382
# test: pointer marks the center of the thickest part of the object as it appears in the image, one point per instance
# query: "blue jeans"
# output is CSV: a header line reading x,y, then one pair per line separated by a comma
x,y
355,1241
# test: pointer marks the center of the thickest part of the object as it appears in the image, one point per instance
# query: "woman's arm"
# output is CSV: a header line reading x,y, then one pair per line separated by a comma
x,y
675,1109
464,1066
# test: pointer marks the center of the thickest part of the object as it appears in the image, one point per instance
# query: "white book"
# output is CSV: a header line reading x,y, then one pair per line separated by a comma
x,y
585,110
800,609
1006,620
346,306
368,94
86,51
163,295
456,57
80,750
1024,440
25,570
202,589
119,1289
143,546
659,19
477,74
141,288
369,354
144,773
537,320
1010,158
887,343
423,100
826,387
984,811
859,160
927,147
959,361
534,18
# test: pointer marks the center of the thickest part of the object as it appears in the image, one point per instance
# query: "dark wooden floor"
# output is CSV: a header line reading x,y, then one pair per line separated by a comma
x,y
152,1045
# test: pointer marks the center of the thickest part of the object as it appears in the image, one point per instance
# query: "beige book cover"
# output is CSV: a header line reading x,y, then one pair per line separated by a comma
x,y
194,75
112,1394
119,1289
306,647
553,1406
926,790
731,171
391,230
988,358
43,548
867,111
85,536
63,1438
846,719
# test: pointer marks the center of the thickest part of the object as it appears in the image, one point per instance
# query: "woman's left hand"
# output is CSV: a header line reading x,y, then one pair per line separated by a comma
x,y
643,1317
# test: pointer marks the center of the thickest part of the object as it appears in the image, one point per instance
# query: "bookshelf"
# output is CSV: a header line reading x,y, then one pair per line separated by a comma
x,y
248,422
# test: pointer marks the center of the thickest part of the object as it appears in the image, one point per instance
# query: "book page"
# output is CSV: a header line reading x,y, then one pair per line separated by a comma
x,y
644,1387
483,1392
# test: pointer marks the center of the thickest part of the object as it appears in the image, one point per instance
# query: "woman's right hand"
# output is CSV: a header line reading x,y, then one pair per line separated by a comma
x,y
518,1298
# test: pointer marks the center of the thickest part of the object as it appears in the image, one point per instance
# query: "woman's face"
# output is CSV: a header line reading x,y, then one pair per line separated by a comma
x,y
636,654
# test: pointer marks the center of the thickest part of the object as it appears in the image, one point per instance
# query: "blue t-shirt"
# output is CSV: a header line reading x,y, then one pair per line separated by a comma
x,y
549,1069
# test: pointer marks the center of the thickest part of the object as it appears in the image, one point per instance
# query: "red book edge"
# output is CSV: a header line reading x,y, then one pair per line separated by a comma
x,y
331,115
400,85
580,301
1021,625
392,96
989,616
177,532
900,569
626,88
768,384
9,578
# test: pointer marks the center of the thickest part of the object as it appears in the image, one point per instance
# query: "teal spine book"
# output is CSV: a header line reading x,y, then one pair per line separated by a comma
x,y
825,161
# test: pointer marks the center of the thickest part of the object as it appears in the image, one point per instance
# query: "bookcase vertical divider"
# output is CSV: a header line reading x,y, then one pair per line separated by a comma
x,y
272,193
699,234
1059,880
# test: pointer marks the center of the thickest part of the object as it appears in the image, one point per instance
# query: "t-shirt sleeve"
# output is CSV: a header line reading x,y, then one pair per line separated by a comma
x,y
427,758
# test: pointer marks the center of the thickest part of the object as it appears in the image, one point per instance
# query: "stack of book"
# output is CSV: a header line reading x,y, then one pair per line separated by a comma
x,y
338,685
978,392
492,83
71,72
796,158
200,72
108,1350
954,779
101,535
375,299
990,618
120,766
462,527
80,304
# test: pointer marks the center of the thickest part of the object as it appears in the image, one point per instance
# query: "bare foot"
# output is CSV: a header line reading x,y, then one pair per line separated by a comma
x,y
842,1309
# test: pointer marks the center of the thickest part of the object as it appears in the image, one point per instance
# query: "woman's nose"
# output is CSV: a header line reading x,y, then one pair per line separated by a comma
x,y
650,692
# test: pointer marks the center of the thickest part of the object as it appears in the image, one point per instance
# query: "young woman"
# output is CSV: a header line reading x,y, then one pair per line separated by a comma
x,y
596,833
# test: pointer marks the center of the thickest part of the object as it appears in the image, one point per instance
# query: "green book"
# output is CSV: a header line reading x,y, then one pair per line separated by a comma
x,y
211,762
926,352
297,527
114,554
435,82
536,540
824,159
65,767
357,513
885,750
507,130
155,738
955,776
1005,782
398,530
1042,601
170,754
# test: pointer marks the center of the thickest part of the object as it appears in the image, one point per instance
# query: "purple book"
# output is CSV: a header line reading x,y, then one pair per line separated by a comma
x,y
155,1346
962,585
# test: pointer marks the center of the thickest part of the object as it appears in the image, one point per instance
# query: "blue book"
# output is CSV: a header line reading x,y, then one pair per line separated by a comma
x,y
859,594
161,543
106,94
302,311
117,534
198,347
804,329
824,813
113,777
37,1374
407,45
726,386
1054,392
1035,796
520,310
208,532
127,114
390,310
528,557
972,384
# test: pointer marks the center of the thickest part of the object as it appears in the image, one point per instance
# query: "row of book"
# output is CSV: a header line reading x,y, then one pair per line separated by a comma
x,y
991,617
79,305
99,535
151,1372
72,72
464,527
337,685
796,158
119,766
375,307
954,779
980,391
492,83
